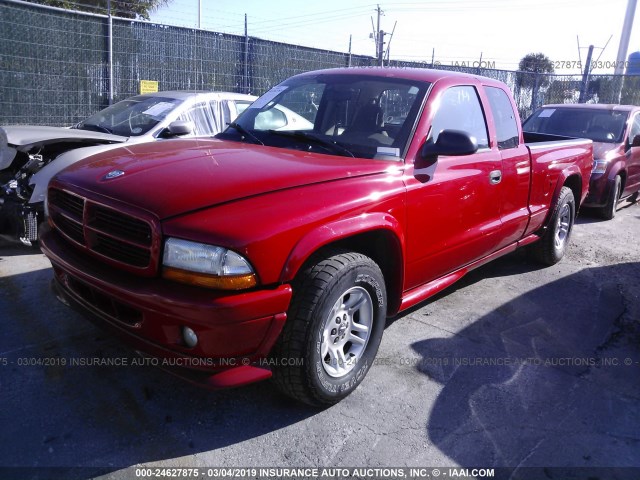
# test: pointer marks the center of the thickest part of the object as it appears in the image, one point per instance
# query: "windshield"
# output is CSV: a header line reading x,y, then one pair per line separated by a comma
x,y
132,117
596,124
338,114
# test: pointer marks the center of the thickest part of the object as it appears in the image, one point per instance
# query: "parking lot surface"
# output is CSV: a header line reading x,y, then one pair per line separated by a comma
x,y
515,366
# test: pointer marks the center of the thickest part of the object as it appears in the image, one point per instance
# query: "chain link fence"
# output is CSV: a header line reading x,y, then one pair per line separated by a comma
x,y
55,66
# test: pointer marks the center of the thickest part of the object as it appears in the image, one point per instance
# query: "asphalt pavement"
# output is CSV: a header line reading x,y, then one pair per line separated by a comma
x,y
515,366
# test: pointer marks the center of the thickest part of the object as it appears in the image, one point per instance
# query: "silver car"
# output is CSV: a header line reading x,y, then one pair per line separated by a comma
x,y
31,155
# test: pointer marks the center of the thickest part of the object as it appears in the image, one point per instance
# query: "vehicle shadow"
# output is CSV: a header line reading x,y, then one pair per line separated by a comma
x,y
591,215
515,263
548,379
73,417
12,249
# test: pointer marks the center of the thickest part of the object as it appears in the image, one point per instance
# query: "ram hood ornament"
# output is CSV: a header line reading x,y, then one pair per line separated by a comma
x,y
113,174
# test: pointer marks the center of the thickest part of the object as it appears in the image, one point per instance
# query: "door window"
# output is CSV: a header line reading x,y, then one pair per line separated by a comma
x,y
270,120
460,109
224,113
204,119
504,117
635,128
241,105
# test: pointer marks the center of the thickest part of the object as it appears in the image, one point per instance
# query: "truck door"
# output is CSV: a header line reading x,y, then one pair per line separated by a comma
x,y
516,166
453,206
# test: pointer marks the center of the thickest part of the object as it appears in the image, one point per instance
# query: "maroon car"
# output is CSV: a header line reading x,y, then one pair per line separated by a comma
x,y
615,131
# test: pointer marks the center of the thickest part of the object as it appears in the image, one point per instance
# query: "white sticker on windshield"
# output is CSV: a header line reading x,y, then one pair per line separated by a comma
x,y
547,112
389,151
159,109
413,90
267,97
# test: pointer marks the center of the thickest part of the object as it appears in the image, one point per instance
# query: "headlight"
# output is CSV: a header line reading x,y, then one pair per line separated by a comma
x,y
599,166
206,265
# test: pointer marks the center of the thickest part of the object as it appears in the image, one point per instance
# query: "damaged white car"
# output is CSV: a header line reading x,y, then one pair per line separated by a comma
x,y
31,155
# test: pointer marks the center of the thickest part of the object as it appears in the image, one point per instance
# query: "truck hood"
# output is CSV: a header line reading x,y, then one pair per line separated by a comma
x,y
174,177
24,137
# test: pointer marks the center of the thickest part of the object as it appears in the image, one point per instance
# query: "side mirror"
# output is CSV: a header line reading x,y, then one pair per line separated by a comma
x,y
180,127
450,142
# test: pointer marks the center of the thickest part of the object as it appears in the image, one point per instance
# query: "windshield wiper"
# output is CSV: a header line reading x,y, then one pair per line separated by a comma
x,y
310,137
93,126
245,132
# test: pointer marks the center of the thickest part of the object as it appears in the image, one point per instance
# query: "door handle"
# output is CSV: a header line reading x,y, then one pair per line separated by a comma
x,y
495,176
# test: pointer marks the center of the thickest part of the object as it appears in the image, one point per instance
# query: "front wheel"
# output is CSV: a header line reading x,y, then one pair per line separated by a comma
x,y
333,330
609,210
550,249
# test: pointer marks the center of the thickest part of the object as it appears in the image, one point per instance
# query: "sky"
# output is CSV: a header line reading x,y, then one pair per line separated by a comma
x,y
500,32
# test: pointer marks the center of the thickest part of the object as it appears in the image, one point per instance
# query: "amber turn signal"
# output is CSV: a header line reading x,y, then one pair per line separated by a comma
x,y
227,282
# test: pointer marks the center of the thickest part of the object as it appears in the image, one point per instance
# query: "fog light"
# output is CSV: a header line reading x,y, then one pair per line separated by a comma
x,y
190,337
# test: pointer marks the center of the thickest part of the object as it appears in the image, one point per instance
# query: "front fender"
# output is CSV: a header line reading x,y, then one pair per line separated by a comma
x,y
339,230
616,167
7,153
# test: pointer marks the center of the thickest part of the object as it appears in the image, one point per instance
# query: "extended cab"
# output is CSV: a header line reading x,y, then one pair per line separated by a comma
x,y
264,252
615,131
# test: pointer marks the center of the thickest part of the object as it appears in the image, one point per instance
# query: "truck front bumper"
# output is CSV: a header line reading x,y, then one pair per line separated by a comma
x,y
235,331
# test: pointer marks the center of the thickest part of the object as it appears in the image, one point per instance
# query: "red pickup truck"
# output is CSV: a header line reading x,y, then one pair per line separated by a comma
x,y
615,131
266,252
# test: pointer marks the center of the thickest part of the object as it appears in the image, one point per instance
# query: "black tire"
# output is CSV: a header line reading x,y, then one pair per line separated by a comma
x,y
303,358
550,249
609,210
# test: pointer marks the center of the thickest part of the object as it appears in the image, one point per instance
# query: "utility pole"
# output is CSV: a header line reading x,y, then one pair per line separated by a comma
x,y
624,37
349,61
386,53
377,36
585,76
579,52
199,14
380,13
589,68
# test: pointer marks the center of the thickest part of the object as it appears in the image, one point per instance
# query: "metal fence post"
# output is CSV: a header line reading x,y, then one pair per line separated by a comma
x,y
110,49
534,91
245,78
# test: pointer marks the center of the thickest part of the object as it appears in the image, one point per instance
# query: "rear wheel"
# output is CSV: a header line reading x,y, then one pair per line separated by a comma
x,y
333,329
551,247
609,210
